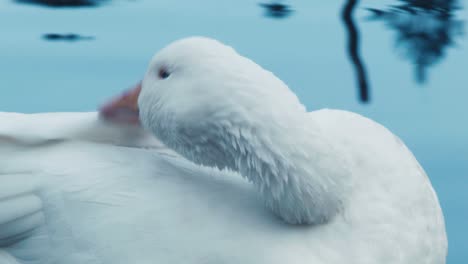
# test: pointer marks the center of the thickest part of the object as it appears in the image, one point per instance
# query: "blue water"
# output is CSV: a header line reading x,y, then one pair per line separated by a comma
x,y
307,49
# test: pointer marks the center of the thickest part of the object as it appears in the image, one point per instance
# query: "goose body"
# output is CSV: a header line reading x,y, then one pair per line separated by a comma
x,y
83,190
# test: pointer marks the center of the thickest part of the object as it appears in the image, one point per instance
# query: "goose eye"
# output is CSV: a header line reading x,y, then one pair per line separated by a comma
x,y
163,73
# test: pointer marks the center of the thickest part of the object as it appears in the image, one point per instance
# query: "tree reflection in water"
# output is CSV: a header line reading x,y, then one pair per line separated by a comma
x,y
353,49
276,9
71,37
424,28
63,3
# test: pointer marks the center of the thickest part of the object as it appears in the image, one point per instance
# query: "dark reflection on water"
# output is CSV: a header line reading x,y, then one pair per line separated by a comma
x,y
63,3
353,49
65,37
424,28
277,10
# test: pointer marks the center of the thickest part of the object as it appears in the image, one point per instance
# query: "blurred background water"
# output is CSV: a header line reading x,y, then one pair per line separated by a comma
x,y
402,63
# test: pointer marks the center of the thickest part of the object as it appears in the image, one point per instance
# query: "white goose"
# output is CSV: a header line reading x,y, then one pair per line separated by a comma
x,y
75,188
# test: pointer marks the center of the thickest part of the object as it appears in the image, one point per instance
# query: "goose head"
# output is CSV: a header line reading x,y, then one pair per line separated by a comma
x,y
220,109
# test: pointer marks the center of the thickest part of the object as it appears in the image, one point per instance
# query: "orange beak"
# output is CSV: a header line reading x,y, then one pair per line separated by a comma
x,y
124,108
